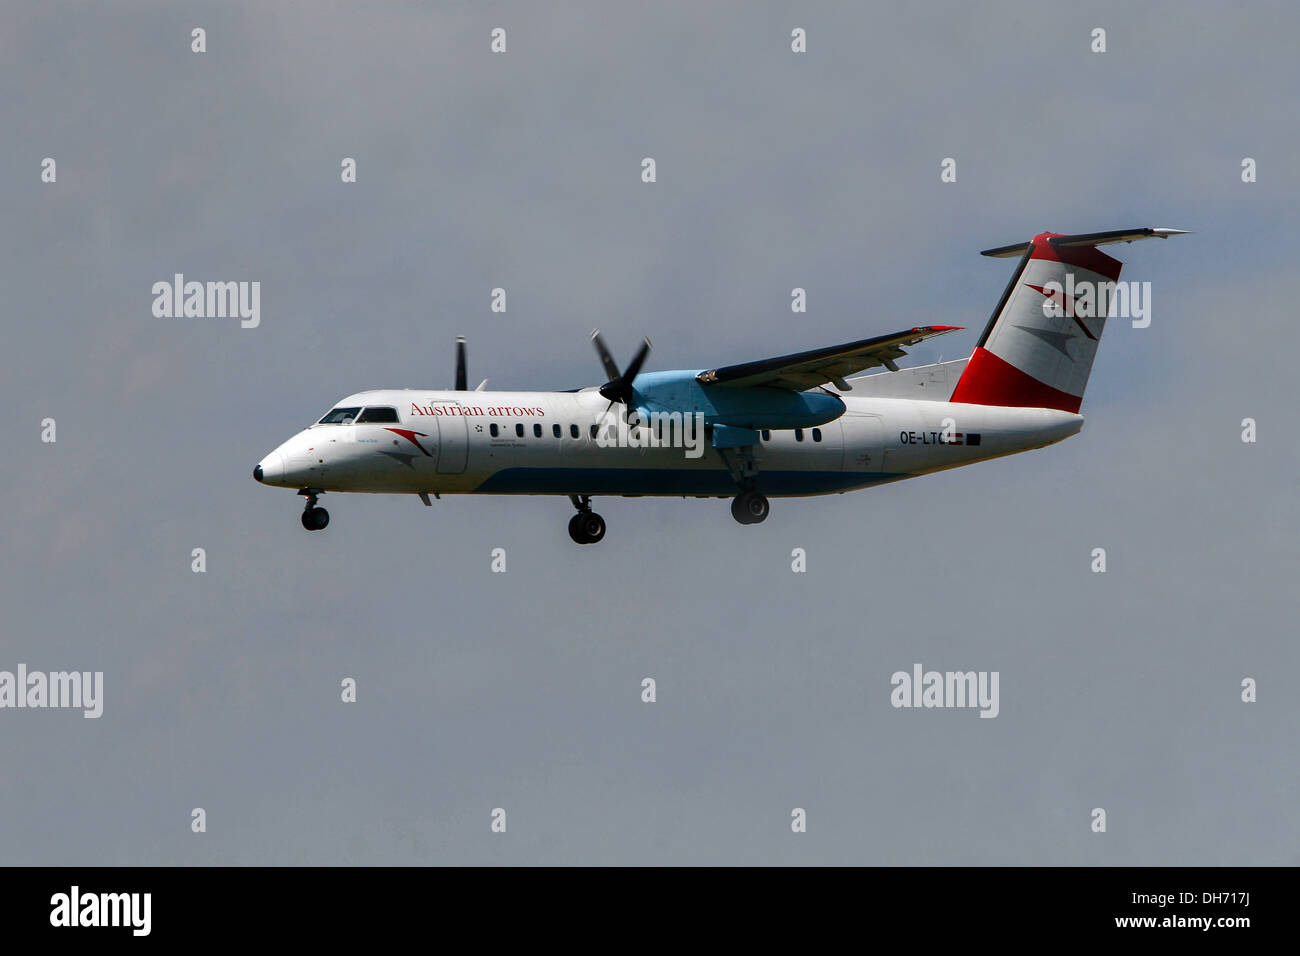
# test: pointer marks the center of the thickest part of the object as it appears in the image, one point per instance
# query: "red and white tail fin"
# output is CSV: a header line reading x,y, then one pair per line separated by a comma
x,y
1038,347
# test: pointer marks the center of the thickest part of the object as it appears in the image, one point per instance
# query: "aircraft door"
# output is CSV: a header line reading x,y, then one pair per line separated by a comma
x,y
863,442
822,448
337,442
453,442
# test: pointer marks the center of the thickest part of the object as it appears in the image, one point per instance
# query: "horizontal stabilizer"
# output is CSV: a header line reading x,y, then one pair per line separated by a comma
x,y
1088,239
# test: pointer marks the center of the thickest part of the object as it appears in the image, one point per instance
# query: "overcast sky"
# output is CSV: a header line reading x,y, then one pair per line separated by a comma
x,y
523,690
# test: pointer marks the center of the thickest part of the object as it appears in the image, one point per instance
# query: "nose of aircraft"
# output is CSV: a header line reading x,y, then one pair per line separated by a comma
x,y
270,469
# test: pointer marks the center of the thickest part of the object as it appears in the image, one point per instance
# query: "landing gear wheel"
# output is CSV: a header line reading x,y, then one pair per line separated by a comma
x,y
586,527
749,507
575,529
315,519
593,527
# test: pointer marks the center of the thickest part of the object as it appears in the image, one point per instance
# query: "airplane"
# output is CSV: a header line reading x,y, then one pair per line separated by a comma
x,y
791,426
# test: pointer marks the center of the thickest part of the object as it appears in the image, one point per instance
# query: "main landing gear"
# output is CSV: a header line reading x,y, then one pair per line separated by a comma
x,y
586,527
748,507
313,518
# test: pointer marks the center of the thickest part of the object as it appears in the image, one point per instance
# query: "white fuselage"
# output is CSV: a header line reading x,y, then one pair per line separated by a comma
x,y
442,442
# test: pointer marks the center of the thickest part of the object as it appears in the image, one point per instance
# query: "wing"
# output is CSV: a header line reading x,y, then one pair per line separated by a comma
x,y
805,370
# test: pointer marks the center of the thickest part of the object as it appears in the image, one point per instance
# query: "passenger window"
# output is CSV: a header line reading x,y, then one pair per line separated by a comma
x,y
573,431
594,429
555,430
340,416
767,434
378,413
817,434
494,430
798,434
519,431
537,430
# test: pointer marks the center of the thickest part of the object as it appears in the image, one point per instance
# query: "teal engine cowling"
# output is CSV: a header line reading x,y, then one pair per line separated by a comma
x,y
754,407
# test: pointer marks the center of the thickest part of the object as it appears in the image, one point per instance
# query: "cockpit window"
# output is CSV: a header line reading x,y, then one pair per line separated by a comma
x,y
340,416
378,413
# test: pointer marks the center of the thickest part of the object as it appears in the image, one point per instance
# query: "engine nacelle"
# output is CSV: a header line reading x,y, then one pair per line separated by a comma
x,y
755,407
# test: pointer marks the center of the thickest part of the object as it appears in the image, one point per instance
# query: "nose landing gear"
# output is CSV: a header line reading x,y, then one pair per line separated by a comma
x,y
586,527
313,517
749,507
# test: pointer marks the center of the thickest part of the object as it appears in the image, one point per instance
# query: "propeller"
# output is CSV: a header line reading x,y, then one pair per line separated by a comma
x,y
462,384
619,387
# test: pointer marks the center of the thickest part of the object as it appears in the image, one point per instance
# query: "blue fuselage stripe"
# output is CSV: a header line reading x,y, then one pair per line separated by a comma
x,y
670,481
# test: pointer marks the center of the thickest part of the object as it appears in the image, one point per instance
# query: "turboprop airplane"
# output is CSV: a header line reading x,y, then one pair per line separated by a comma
x,y
790,426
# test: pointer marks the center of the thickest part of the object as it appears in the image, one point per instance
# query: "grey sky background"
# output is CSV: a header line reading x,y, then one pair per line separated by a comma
x,y
522,690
